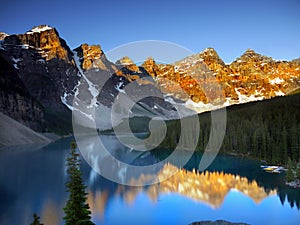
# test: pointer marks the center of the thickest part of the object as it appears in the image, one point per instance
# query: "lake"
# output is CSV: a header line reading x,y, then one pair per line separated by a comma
x,y
32,180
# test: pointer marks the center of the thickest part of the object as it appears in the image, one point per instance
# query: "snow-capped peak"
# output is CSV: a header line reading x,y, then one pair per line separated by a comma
x,y
39,29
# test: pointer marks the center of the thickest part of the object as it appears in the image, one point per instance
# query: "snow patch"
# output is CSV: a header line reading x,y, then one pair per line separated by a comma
x,y
25,46
201,107
279,93
276,80
189,108
64,101
245,98
39,29
118,88
198,107
16,60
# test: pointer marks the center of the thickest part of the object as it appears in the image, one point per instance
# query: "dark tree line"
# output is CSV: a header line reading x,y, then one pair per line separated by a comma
x,y
268,130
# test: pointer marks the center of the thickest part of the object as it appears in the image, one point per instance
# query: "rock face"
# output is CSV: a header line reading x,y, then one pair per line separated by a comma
x,y
3,35
128,64
211,59
250,77
44,62
92,57
94,68
15,100
43,38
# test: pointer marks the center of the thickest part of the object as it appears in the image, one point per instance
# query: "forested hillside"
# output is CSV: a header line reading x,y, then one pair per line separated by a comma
x,y
268,130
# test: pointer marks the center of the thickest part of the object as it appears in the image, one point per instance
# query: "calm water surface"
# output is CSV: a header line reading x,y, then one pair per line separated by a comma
x,y
32,179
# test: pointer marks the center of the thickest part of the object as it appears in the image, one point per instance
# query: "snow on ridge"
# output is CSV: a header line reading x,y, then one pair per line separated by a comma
x,y
16,60
198,107
93,90
189,108
201,107
279,93
276,80
64,101
245,98
39,29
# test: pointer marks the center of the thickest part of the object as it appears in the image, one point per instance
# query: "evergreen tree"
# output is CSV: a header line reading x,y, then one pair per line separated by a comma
x,y
298,171
76,210
254,143
36,220
290,173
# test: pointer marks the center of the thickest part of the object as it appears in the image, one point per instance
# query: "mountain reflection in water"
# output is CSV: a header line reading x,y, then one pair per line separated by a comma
x,y
207,187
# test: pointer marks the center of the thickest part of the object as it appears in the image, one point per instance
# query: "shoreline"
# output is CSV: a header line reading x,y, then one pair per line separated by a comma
x,y
293,184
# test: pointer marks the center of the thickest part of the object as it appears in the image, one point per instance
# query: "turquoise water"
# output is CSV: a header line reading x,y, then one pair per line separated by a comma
x,y
32,179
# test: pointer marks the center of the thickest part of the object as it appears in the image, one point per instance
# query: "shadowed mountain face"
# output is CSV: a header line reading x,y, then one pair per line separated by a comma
x,y
16,101
44,63
53,75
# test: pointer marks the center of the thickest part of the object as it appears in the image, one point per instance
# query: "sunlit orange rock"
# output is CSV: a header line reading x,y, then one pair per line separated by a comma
x,y
251,75
208,187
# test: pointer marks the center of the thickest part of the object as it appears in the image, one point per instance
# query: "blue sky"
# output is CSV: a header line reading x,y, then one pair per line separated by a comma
x,y
269,27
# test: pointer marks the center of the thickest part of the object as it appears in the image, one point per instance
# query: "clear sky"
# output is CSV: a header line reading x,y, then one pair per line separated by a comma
x,y
270,27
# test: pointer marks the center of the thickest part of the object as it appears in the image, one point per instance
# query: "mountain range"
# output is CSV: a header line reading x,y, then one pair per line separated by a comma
x,y
42,81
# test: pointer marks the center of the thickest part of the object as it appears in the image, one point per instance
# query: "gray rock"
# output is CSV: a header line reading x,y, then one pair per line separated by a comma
x,y
14,133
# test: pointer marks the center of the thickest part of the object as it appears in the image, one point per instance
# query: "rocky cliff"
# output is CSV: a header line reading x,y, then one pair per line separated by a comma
x,y
15,100
44,62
